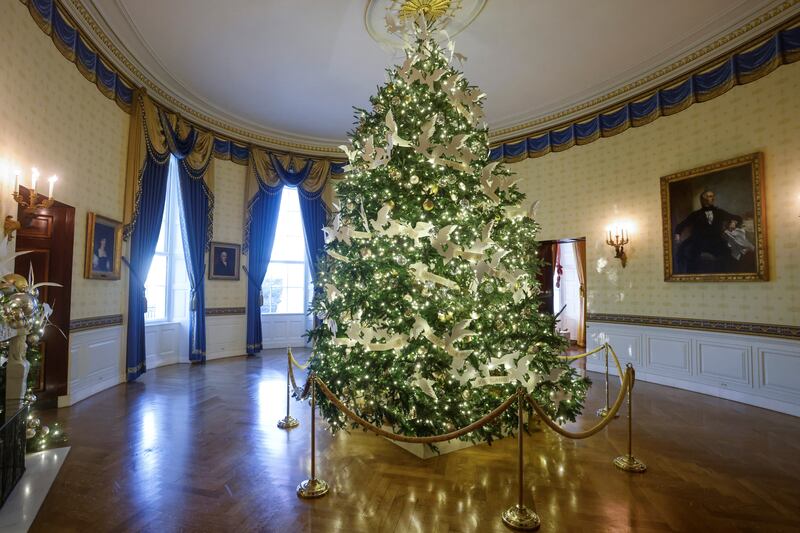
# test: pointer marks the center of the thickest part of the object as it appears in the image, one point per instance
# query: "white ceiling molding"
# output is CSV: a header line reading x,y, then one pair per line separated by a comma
x,y
286,74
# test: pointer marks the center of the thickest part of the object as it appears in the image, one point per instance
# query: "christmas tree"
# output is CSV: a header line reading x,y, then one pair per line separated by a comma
x,y
427,294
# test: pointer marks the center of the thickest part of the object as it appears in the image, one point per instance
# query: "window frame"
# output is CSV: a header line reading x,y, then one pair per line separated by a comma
x,y
307,288
172,237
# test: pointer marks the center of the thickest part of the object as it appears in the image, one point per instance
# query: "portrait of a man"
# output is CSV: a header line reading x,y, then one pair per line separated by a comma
x,y
224,261
713,222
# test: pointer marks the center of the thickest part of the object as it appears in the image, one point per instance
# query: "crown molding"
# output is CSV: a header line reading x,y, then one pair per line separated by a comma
x,y
735,28
174,94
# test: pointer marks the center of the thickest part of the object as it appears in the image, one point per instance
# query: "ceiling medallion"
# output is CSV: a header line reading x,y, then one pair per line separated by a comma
x,y
432,9
457,14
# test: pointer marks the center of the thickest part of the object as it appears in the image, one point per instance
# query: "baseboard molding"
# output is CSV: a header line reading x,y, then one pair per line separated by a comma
x,y
762,371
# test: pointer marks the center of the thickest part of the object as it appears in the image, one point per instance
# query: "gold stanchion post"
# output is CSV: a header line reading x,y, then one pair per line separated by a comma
x,y
628,462
518,516
603,411
288,422
313,487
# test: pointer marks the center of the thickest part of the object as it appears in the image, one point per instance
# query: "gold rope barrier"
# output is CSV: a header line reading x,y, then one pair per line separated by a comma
x,y
581,356
294,362
289,422
415,440
517,516
627,383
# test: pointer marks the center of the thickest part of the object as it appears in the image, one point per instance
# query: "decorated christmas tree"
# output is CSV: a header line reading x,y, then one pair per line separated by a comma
x,y
427,295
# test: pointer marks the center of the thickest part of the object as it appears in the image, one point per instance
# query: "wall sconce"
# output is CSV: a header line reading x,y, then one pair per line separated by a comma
x,y
33,201
618,237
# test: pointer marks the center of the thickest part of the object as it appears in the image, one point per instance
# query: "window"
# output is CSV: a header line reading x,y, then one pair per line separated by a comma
x,y
286,286
167,284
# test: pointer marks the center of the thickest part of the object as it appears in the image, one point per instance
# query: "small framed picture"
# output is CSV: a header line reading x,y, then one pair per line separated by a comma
x,y
103,247
223,261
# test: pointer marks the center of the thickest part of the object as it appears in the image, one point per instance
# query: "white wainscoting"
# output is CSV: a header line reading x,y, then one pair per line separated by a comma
x,y
280,331
96,362
760,371
225,336
165,344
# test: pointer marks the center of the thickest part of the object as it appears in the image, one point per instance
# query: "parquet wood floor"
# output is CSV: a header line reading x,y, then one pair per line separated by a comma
x,y
195,448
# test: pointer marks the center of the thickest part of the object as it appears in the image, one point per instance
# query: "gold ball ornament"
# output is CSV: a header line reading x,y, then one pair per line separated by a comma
x,y
19,282
427,205
25,302
30,433
414,179
390,203
7,288
434,189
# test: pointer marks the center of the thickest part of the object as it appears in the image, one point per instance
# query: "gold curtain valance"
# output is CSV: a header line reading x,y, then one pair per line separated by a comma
x,y
157,133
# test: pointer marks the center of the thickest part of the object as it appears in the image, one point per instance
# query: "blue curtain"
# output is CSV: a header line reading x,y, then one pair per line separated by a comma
x,y
194,229
264,210
315,218
144,238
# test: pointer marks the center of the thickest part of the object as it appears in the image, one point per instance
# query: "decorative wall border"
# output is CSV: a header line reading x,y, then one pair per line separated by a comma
x,y
95,322
744,64
225,311
742,328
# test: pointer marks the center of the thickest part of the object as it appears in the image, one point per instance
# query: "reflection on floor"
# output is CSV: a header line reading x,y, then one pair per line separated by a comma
x,y
20,509
197,448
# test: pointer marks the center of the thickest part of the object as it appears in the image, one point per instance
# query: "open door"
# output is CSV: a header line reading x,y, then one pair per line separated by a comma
x,y
49,233
563,284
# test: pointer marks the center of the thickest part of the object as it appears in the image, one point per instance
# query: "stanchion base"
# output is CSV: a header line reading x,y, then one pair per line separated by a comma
x,y
312,488
288,423
603,412
522,518
630,463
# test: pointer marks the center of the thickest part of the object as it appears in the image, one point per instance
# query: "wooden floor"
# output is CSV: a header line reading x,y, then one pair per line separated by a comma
x,y
195,448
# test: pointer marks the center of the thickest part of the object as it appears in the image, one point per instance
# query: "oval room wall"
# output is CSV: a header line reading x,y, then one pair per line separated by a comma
x,y
50,116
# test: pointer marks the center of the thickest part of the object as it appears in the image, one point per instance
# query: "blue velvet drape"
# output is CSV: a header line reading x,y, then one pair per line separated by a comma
x,y
194,229
143,245
264,210
315,218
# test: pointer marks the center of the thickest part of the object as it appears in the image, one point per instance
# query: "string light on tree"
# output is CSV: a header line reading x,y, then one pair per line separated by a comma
x,y
427,294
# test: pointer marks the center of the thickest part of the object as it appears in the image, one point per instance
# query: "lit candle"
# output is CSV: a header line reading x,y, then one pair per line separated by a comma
x,y
17,172
53,179
34,177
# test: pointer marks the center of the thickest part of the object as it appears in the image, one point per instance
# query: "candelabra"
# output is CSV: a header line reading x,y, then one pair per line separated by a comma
x,y
618,239
34,200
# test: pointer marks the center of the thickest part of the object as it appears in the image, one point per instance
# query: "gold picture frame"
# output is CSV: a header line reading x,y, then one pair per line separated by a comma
x,y
714,222
100,262
224,259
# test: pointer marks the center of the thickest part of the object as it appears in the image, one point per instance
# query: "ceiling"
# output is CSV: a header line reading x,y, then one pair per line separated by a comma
x,y
294,69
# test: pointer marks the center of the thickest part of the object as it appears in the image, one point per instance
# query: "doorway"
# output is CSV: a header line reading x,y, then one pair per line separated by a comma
x,y
48,235
563,284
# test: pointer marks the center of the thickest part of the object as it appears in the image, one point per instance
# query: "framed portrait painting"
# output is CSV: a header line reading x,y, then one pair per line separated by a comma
x,y
714,222
103,247
223,261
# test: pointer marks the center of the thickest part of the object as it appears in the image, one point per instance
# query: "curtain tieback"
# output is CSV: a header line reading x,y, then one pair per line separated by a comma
x,y
193,304
260,298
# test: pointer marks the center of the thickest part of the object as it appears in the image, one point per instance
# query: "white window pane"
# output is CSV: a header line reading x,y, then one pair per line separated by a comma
x,y
296,274
294,302
289,239
156,289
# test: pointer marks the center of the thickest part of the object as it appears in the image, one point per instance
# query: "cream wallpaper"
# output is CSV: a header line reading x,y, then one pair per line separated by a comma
x,y
229,185
586,188
53,118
